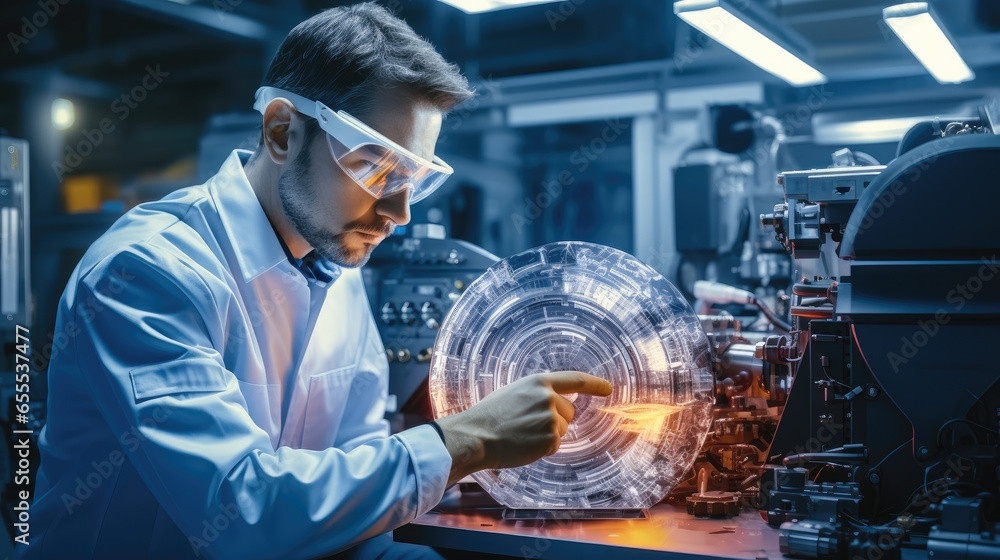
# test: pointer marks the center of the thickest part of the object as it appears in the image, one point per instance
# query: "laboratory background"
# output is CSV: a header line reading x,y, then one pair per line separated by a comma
x,y
782,215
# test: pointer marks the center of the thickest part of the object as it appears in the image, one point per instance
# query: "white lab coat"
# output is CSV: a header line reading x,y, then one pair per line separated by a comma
x,y
208,401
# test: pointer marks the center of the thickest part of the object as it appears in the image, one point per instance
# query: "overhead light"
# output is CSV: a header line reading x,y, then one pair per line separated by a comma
x,y
63,113
872,131
752,34
920,30
478,6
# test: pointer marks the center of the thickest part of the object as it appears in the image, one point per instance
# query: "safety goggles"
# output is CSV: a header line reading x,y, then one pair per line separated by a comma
x,y
377,164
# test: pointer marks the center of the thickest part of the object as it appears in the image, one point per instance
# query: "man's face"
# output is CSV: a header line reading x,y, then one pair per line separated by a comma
x,y
330,211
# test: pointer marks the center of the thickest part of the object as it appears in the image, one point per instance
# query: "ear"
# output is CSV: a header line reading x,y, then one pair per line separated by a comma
x,y
280,120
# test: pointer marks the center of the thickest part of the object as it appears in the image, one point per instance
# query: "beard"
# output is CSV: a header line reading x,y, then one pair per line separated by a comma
x,y
298,199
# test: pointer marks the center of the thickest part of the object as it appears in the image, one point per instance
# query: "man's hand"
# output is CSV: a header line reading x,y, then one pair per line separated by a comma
x,y
516,424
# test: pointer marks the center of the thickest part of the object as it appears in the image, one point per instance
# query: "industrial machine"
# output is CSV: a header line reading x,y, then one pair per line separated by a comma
x,y
868,423
720,185
888,439
739,279
413,279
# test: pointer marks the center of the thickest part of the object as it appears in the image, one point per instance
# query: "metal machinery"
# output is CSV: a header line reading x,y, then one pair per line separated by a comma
x,y
733,270
869,424
412,282
720,186
888,439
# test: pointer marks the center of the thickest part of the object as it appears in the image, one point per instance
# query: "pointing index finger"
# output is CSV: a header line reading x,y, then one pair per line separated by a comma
x,y
565,382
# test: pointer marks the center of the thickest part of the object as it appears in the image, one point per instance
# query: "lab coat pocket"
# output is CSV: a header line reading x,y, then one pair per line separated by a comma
x,y
191,375
264,406
328,398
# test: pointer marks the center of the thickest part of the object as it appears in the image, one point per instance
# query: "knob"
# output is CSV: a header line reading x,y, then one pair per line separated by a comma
x,y
408,313
429,314
403,355
389,313
390,355
424,355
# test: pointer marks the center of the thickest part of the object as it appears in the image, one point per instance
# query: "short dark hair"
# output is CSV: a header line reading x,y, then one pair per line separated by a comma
x,y
343,56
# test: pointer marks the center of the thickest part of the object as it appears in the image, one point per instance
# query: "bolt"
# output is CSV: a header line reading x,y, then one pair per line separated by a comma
x,y
873,391
923,453
874,477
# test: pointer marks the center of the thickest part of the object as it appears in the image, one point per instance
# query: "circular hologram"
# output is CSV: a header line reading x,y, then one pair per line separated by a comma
x,y
584,307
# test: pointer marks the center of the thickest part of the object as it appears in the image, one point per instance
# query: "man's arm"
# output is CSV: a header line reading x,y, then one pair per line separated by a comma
x,y
150,358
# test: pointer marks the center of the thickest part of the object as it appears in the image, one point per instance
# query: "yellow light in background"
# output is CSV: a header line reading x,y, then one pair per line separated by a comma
x,y
640,417
63,113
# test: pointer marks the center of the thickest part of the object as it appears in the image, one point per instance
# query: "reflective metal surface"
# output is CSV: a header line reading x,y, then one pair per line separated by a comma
x,y
467,524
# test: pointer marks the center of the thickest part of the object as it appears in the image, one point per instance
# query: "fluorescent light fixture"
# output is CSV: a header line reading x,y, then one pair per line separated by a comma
x,y
63,113
748,32
872,131
918,27
582,109
479,6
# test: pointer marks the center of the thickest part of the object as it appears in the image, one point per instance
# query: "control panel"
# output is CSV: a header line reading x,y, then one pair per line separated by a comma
x,y
412,283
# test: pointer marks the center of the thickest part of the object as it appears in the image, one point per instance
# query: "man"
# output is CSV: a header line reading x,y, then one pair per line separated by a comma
x,y
223,391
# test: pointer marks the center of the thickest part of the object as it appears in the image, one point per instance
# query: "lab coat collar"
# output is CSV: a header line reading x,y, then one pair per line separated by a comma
x,y
253,241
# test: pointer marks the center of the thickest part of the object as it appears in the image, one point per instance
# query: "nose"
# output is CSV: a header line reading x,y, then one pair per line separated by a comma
x,y
396,207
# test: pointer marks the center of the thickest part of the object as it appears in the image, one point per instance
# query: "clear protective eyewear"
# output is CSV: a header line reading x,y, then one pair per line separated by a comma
x,y
377,164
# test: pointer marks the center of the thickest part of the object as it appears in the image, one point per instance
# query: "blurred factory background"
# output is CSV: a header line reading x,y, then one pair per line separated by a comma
x,y
608,121
586,110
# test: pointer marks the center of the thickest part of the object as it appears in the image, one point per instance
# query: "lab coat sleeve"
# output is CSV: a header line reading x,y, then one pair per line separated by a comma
x,y
151,344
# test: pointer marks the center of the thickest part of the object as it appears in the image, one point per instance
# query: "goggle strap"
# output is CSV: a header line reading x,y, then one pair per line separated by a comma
x,y
268,94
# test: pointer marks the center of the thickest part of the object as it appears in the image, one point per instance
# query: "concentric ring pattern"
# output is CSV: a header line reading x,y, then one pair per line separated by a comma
x,y
584,307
